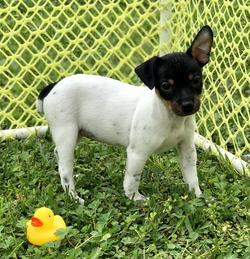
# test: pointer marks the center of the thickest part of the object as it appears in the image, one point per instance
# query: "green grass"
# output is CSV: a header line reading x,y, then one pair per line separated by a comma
x,y
171,224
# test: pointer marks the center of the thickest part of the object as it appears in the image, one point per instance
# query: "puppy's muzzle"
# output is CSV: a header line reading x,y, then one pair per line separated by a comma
x,y
187,106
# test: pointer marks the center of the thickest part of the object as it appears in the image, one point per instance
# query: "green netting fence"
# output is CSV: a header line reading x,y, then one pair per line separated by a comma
x,y
43,41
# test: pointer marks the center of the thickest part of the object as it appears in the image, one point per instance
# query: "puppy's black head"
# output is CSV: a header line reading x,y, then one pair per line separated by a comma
x,y
177,77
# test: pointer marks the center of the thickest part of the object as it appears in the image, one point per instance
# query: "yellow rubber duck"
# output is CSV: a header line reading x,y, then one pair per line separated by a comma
x,y
42,226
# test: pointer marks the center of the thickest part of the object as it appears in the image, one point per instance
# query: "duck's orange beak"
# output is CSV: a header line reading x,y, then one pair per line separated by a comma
x,y
36,222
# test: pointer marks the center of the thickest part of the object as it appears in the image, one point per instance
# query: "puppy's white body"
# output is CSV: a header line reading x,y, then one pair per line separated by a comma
x,y
116,113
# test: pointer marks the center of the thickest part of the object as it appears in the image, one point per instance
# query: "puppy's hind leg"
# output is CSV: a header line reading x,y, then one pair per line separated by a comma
x,y
66,141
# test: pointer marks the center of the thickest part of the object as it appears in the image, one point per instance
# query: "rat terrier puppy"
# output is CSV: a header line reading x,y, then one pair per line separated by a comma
x,y
146,120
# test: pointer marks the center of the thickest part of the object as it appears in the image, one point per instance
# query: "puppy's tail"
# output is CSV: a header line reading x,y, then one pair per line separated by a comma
x,y
42,95
39,105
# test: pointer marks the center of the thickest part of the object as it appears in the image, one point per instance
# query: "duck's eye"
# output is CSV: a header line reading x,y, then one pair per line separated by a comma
x,y
166,86
197,80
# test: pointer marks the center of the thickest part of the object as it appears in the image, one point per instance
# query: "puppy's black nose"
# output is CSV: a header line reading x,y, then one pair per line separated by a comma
x,y
187,106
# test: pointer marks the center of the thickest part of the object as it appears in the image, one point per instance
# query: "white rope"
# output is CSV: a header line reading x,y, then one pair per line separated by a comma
x,y
23,132
240,165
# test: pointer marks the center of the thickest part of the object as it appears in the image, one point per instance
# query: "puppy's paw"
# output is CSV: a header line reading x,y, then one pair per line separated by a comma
x,y
77,199
74,197
80,200
137,197
198,192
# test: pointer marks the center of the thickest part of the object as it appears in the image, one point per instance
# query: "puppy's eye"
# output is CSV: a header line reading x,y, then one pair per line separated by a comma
x,y
166,87
197,80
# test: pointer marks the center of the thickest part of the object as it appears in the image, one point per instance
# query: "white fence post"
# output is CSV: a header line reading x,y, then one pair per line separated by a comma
x,y
165,27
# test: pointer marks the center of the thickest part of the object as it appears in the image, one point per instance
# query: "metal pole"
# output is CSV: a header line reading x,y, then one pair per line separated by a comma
x,y
165,24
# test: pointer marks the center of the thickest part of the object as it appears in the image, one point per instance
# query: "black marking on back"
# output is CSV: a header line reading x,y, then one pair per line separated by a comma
x,y
46,91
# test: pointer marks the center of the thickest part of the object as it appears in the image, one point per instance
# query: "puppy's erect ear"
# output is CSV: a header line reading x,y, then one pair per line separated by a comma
x,y
146,71
201,46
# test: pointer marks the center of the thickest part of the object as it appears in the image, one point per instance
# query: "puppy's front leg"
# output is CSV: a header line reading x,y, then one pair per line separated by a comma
x,y
134,167
188,158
